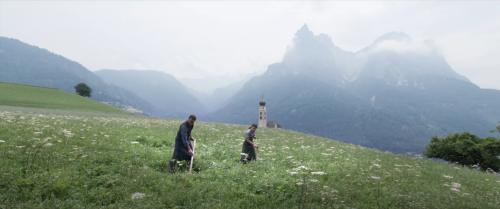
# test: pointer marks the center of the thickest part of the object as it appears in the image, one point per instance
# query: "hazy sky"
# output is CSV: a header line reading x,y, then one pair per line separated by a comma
x,y
198,39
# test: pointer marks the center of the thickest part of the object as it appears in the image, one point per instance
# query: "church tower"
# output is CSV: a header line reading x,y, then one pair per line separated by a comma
x,y
262,113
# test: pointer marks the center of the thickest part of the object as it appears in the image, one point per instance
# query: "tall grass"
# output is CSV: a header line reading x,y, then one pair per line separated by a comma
x,y
51,161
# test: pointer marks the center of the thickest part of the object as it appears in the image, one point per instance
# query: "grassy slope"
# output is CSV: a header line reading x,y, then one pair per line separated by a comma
x,y
93,164
39,97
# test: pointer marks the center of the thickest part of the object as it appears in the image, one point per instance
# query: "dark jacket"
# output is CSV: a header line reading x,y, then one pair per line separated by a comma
x,y
182,141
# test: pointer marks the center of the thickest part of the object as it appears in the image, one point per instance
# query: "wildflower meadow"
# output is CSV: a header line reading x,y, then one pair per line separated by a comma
x,y
66,161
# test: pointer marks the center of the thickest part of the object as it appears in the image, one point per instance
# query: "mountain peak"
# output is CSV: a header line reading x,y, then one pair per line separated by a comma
x,y
304,32
395,36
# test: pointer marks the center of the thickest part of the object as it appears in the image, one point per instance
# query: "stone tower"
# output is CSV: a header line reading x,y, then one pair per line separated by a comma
x,y
262,113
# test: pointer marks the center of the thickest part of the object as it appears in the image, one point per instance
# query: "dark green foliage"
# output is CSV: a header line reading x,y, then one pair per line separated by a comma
x,y
83,90
466,149
497,129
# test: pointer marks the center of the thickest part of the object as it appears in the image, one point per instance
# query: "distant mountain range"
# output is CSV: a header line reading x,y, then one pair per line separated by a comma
x,y
158,88
392,95
27,64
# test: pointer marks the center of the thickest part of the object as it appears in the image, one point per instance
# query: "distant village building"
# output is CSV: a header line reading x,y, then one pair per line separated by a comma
x,y
272,125
262,113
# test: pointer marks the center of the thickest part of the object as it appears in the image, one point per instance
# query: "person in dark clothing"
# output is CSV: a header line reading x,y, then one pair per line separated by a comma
x,y
183,149
248,149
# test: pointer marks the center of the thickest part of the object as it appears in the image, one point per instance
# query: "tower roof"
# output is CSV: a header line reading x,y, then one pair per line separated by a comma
x,y
262,102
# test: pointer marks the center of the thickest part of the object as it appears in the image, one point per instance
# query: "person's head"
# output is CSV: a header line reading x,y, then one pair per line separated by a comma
x,y
253,127
191,119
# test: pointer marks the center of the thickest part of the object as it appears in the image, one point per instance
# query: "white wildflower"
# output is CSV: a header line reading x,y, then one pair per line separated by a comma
x,y
293,173
2,141
325,187
106,136
37,133
450,177
84,155
325,154
20,147
47,145
313,180
318,173
290,157
397,165
455,185
376,165
138,195
134,142
465,193
455,189
300,183
446,185
375,177
301,167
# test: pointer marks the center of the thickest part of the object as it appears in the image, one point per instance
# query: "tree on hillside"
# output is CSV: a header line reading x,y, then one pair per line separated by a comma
x,y
466,149
83,90
497,129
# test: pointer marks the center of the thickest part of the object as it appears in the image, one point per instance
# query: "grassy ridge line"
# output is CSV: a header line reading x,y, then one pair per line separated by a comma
x,y
31,110
28,85
90,162
49,98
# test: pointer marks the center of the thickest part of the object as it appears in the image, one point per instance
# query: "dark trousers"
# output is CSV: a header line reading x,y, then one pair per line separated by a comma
x,y
173,161
178,156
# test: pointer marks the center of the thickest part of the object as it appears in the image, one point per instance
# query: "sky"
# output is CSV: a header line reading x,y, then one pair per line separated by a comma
x,y
211,40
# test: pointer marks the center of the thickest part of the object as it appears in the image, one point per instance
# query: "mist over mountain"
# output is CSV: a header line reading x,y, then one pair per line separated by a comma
x,y
220,97
211,83
392,95
312,56
160,89
396,59
27,64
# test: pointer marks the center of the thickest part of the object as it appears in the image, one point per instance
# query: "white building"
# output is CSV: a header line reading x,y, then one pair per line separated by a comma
x,y
262,113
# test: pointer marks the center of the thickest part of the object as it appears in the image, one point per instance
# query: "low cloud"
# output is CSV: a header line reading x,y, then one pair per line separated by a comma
x,y
403,47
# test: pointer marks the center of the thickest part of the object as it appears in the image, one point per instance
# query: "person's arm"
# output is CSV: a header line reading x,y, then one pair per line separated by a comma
x,y
185,141
191,138
248,140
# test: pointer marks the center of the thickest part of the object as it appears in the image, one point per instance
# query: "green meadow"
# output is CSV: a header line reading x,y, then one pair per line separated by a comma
x,y
19,95
62,161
